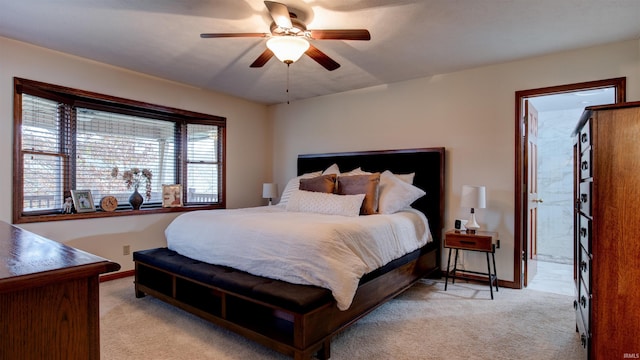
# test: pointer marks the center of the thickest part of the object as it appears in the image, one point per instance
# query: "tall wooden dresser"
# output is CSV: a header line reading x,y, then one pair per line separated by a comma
x,y
607,231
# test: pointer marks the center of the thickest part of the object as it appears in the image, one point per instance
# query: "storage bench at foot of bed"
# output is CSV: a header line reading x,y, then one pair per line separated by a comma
x,y
267,311
297,320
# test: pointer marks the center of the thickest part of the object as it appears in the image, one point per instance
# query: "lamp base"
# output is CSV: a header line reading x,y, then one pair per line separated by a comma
x,y
472,224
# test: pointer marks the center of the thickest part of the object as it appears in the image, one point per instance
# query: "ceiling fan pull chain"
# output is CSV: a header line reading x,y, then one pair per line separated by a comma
x,y
288,83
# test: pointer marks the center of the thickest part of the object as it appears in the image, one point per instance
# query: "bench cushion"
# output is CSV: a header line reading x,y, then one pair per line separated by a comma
x,y
292,297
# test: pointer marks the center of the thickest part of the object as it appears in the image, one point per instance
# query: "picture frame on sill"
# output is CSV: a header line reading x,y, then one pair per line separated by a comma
x,y
82,201
172,195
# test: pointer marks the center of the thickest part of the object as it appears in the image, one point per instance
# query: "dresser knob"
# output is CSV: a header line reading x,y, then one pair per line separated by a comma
x,y
583,266
583,232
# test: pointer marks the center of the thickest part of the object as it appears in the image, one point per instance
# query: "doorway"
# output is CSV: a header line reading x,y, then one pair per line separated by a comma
x,y
544,240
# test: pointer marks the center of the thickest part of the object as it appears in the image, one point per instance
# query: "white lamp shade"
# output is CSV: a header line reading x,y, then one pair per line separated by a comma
x,y
269,190
473,197
288,49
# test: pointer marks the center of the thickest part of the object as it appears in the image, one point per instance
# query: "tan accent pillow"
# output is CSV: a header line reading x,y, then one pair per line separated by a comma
x,y
362,184
323,184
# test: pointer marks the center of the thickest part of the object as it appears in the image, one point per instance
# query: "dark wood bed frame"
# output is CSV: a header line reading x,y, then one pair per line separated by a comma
x,y
288,329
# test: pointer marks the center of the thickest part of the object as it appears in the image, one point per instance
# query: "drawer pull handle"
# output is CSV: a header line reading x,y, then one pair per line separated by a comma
x,y
583,340
583,301
466,242
584,138
585,165
575,304
583,266
583,232
583,198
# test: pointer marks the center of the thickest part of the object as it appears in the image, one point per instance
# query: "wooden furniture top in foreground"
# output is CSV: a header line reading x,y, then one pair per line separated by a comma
x,y
29,260
48,298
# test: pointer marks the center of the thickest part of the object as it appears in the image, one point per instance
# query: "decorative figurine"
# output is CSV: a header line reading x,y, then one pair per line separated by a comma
x,y
67,206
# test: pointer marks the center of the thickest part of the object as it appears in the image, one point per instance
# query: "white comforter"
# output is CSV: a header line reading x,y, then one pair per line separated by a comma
x,y
329,251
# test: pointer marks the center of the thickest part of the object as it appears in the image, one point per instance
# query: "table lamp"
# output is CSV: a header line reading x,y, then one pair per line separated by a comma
x,y
473,197
269,191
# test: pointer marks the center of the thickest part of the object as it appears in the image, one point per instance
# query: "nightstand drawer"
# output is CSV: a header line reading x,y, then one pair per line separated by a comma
x,y
468,241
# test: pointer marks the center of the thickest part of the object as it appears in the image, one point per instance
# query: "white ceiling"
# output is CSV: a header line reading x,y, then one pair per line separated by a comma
x,y
409,38
574,100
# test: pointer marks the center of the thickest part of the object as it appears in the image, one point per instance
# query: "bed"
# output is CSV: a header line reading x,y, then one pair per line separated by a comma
x,y
300,319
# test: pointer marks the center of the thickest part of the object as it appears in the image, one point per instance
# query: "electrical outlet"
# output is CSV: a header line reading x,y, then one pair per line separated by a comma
x,y
126,250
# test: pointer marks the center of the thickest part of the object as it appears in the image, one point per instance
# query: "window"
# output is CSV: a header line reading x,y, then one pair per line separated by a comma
x,y
67,139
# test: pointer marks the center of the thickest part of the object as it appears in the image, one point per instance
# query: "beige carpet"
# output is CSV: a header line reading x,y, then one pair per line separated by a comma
x,y
423,323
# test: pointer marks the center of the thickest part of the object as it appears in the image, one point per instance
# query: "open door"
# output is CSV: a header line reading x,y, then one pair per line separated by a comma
x,y
531,156
526,201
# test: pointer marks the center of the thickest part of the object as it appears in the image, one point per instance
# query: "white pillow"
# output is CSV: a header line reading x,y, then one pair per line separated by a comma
x,y
408,178
293,185
396,194
356,171
333,169
324,203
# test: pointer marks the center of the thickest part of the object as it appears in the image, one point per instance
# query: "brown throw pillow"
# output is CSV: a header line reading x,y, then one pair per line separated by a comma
x,y
362,184
323,183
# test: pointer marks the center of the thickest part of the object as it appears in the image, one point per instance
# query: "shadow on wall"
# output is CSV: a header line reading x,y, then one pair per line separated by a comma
x,y
118,247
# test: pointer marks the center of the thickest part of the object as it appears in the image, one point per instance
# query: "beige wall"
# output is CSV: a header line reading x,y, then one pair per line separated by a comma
x,y
471,113
249,163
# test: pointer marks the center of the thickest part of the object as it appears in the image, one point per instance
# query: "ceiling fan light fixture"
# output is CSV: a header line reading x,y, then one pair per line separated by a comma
x,y
288,49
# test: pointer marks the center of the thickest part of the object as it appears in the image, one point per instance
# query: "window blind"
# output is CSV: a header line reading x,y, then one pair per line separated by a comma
x,y
75,140
108,141
203,163
43,153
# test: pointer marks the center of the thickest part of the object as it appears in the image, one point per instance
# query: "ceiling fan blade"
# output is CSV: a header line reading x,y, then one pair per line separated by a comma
x,y
322,58
232,35
280,14
355,34
262,59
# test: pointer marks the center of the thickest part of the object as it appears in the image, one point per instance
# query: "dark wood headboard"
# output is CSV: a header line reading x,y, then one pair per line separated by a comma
x,y
427,163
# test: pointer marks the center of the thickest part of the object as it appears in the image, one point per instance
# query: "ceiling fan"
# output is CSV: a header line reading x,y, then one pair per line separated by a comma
x,y
289,38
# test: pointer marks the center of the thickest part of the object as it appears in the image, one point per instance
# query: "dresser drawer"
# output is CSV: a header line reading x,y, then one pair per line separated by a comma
x,y
584,198
582,330
584,232
584,268
585,165
585,136
584,303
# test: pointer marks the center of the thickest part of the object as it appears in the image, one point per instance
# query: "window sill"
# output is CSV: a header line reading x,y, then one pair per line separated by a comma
x,y
24,219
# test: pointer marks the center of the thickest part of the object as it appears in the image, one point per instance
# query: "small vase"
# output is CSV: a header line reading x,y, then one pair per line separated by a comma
x,y
136,200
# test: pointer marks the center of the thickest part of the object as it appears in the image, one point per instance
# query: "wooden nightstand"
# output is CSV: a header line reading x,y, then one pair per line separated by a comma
x,y
483,241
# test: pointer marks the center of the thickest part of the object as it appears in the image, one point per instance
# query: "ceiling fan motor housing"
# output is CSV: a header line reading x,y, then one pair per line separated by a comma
x,y
298,28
